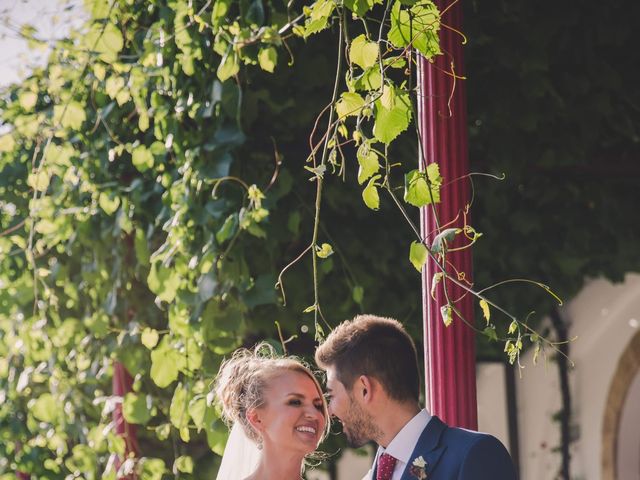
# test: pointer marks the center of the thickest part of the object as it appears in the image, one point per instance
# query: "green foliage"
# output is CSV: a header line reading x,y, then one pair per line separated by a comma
x,y
140,223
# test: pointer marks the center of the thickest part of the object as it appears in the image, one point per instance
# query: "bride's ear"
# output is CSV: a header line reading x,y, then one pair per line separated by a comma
x,y
255,420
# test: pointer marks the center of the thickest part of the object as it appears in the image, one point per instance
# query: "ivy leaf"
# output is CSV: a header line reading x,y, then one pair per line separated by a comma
x,y
149,337
370,194
268,58
350,104
416,188
418,255
142,158
389,123
445,237
324,251
370,80
363,53
486,313
446,314
135,410
141,247
220,8
368,161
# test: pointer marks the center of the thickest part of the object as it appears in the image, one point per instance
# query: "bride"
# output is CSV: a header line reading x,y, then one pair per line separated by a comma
x,y
278,413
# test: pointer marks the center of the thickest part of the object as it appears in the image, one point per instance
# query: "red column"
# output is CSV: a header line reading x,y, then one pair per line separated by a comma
x,y
449,351
122,384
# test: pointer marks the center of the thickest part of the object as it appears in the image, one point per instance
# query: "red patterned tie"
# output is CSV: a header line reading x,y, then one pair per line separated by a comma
x,y
386,463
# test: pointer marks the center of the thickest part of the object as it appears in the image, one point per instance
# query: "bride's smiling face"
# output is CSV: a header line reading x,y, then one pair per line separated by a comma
x,y
292,416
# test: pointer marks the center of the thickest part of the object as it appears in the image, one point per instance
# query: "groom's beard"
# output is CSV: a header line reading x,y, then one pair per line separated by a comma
x,y
359,427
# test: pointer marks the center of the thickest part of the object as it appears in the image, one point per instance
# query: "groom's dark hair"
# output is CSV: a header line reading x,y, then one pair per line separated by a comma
x,y
377,347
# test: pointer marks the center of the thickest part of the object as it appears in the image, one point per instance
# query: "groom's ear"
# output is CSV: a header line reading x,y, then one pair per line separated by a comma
x,y
364,387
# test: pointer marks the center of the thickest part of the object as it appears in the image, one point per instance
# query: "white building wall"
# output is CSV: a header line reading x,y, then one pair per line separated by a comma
x,y
604,317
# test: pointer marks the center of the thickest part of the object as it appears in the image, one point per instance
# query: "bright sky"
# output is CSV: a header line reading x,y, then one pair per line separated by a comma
x,y
51,19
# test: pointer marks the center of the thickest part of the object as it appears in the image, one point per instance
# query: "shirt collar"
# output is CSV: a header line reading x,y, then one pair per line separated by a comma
x,y
402,445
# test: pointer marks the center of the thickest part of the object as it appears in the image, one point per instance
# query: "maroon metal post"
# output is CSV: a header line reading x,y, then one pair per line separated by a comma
x,y
122,384
449,351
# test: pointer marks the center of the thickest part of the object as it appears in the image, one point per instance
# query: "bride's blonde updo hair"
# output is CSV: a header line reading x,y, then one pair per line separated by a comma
x,y
243,379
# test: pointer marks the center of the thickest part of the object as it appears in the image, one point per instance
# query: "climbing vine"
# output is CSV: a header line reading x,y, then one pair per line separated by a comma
x,y
139,226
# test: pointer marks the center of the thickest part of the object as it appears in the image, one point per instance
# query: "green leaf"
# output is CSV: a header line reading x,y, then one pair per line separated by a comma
x,y
513,327
358,294
108,202
486,313
360,7
228,229
490,333
27,100
152,468
417,191
418,26
184,464
45,408
164,282
39,180
418,255
229,66
370,194
363,53
319,15
445,237
135,410
368,161
164,366
369,80
7,143
324,251
149,337
70,116
142,158
141,247
310,308
350,104
389,123
220,8
446,314
268,59
178,410
197,410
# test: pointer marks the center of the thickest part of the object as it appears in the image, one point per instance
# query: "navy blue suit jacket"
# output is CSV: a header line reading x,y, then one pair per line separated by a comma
x,y
459,454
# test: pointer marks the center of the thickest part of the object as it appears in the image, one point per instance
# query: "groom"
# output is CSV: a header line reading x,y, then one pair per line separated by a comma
x,y
373,388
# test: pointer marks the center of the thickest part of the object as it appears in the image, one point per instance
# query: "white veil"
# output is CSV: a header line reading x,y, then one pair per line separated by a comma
x,y
240,458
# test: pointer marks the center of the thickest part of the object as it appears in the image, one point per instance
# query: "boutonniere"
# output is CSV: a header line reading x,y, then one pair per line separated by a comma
x,y
419,468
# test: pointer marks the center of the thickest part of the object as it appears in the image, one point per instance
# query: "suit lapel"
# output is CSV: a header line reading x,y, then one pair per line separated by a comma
x,y
428,447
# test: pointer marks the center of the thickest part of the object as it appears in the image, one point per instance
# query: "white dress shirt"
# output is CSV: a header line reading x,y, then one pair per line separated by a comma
x,y
403,444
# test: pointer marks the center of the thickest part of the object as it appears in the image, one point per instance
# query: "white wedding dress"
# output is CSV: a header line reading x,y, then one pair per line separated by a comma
x,y
240,458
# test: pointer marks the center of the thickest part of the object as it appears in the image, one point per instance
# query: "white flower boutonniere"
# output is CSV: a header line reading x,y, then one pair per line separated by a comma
x,y
419,468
